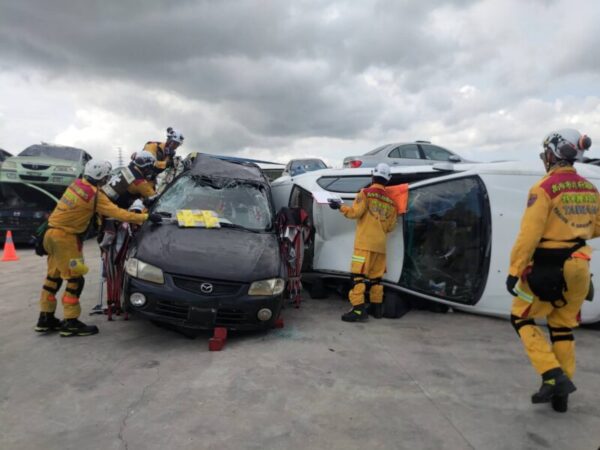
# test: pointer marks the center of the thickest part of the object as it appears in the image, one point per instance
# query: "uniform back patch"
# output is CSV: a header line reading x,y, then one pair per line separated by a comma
x,y
531,200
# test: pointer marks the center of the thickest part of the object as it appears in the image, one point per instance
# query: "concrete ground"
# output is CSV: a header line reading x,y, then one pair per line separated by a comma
x,y
425,381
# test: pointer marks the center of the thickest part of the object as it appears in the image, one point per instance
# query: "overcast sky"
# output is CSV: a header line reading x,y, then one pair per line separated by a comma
x,y
286,79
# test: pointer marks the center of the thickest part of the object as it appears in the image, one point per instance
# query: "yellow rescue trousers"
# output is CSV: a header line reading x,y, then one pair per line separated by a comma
x,y
561,321
367,267
65,262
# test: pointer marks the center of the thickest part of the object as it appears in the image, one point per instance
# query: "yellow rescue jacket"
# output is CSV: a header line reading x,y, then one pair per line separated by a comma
x,y
75,209
141,188
562,207
158,150
376,215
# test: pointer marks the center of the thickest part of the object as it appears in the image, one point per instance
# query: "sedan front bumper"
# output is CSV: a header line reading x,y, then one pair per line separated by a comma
x,y
179,302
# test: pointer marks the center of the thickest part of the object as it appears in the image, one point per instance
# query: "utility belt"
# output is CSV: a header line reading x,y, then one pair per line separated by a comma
x,y
546,277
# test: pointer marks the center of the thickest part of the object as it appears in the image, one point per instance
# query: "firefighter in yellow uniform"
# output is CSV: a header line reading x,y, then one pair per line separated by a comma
x,y
376,214
133,182
164,152
71,217
549,273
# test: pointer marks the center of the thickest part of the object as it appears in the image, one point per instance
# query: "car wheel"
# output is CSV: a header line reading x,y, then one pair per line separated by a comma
x,y
395,305
317,289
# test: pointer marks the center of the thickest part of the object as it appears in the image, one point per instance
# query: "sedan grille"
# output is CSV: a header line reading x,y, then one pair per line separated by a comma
x,y
208,288
33,178
36,166
172,309
230,317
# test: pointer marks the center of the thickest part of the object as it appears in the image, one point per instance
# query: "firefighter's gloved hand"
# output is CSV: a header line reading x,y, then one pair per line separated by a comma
x,y
511,282
334,204
148,202
155,218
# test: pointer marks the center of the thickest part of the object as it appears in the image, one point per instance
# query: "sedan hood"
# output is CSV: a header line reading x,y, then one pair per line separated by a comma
x,y
222,254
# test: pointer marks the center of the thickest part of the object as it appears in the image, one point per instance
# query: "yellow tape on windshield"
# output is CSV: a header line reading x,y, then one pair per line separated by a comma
x,y
197,218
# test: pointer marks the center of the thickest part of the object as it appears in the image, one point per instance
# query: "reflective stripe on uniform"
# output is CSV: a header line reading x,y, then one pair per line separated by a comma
x,y
70,300
358,258
524,295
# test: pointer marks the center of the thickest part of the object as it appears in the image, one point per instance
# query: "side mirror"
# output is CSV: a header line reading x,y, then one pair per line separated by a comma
x,y
454,158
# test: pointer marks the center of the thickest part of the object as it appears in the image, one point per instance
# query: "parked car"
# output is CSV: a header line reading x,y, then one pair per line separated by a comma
x,y
404,154
45,164
231,276
23,209
3,155
300,166
452,246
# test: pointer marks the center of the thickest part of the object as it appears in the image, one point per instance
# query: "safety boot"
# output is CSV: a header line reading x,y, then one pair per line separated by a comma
x,y
356,314
376,310
560,403
47,322
74,327
554,383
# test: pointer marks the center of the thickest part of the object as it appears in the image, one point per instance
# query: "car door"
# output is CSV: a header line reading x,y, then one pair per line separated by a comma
x,y
447,236
405,155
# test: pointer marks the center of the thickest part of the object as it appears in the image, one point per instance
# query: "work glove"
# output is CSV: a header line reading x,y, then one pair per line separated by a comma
x,y
511,282
148,202
155,218
334,204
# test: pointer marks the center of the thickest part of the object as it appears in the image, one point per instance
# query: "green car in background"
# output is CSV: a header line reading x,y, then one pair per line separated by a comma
x,y
45,165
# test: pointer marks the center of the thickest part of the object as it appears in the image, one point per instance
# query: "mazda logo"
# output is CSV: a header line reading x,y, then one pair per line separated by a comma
x,y
35,166
206,288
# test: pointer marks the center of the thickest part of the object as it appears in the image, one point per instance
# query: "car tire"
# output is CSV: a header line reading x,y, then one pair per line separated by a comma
x,y
395,305
317,289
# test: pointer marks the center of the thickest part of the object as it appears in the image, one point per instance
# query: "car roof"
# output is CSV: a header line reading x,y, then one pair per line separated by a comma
x,y
44,145
211,167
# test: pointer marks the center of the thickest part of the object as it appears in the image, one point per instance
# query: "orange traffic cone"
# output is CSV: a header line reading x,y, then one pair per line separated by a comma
x,y
9,254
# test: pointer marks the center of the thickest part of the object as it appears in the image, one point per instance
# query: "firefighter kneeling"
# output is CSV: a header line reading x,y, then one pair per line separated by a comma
x,y
376,214
549,273
62,241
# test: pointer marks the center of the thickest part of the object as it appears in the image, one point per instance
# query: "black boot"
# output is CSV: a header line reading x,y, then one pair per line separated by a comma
x,y
560,403
554,383
356,314
73,327
376,310
47,322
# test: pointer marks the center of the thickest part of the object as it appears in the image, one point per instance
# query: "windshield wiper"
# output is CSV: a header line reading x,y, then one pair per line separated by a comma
x,y
238,227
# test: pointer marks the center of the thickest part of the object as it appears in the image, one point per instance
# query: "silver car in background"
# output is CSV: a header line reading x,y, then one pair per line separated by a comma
x,y
404,154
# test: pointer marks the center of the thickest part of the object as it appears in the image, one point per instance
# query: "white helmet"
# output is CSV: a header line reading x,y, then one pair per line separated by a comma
x,y
174,135
567,144
97,170
143,159
137,206
382,171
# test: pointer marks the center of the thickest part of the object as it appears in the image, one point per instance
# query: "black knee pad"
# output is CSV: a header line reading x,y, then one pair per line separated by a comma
x,y
76,291
50,289
519,323
566,334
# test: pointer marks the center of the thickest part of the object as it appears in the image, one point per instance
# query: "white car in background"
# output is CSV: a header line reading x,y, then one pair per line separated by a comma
x,y
451,247
404,154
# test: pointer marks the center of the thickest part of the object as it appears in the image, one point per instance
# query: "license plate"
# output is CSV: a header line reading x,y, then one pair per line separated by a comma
x,y
202,316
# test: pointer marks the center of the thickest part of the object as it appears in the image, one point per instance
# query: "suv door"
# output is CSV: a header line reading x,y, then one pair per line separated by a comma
x,y
405,155
447,240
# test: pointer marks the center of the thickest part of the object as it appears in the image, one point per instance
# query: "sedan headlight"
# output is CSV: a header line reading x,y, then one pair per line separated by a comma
x,y
274,286
144,271
65,169
9,165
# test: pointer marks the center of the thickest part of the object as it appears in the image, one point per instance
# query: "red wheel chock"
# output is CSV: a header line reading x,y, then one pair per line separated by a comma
x,y
217,342
278,323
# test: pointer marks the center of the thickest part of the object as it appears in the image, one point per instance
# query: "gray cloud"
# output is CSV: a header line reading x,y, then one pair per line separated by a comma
x,y
269,74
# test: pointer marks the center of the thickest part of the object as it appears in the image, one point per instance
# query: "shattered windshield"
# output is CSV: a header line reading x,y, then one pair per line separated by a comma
x,y
49,151
235,202
447,236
